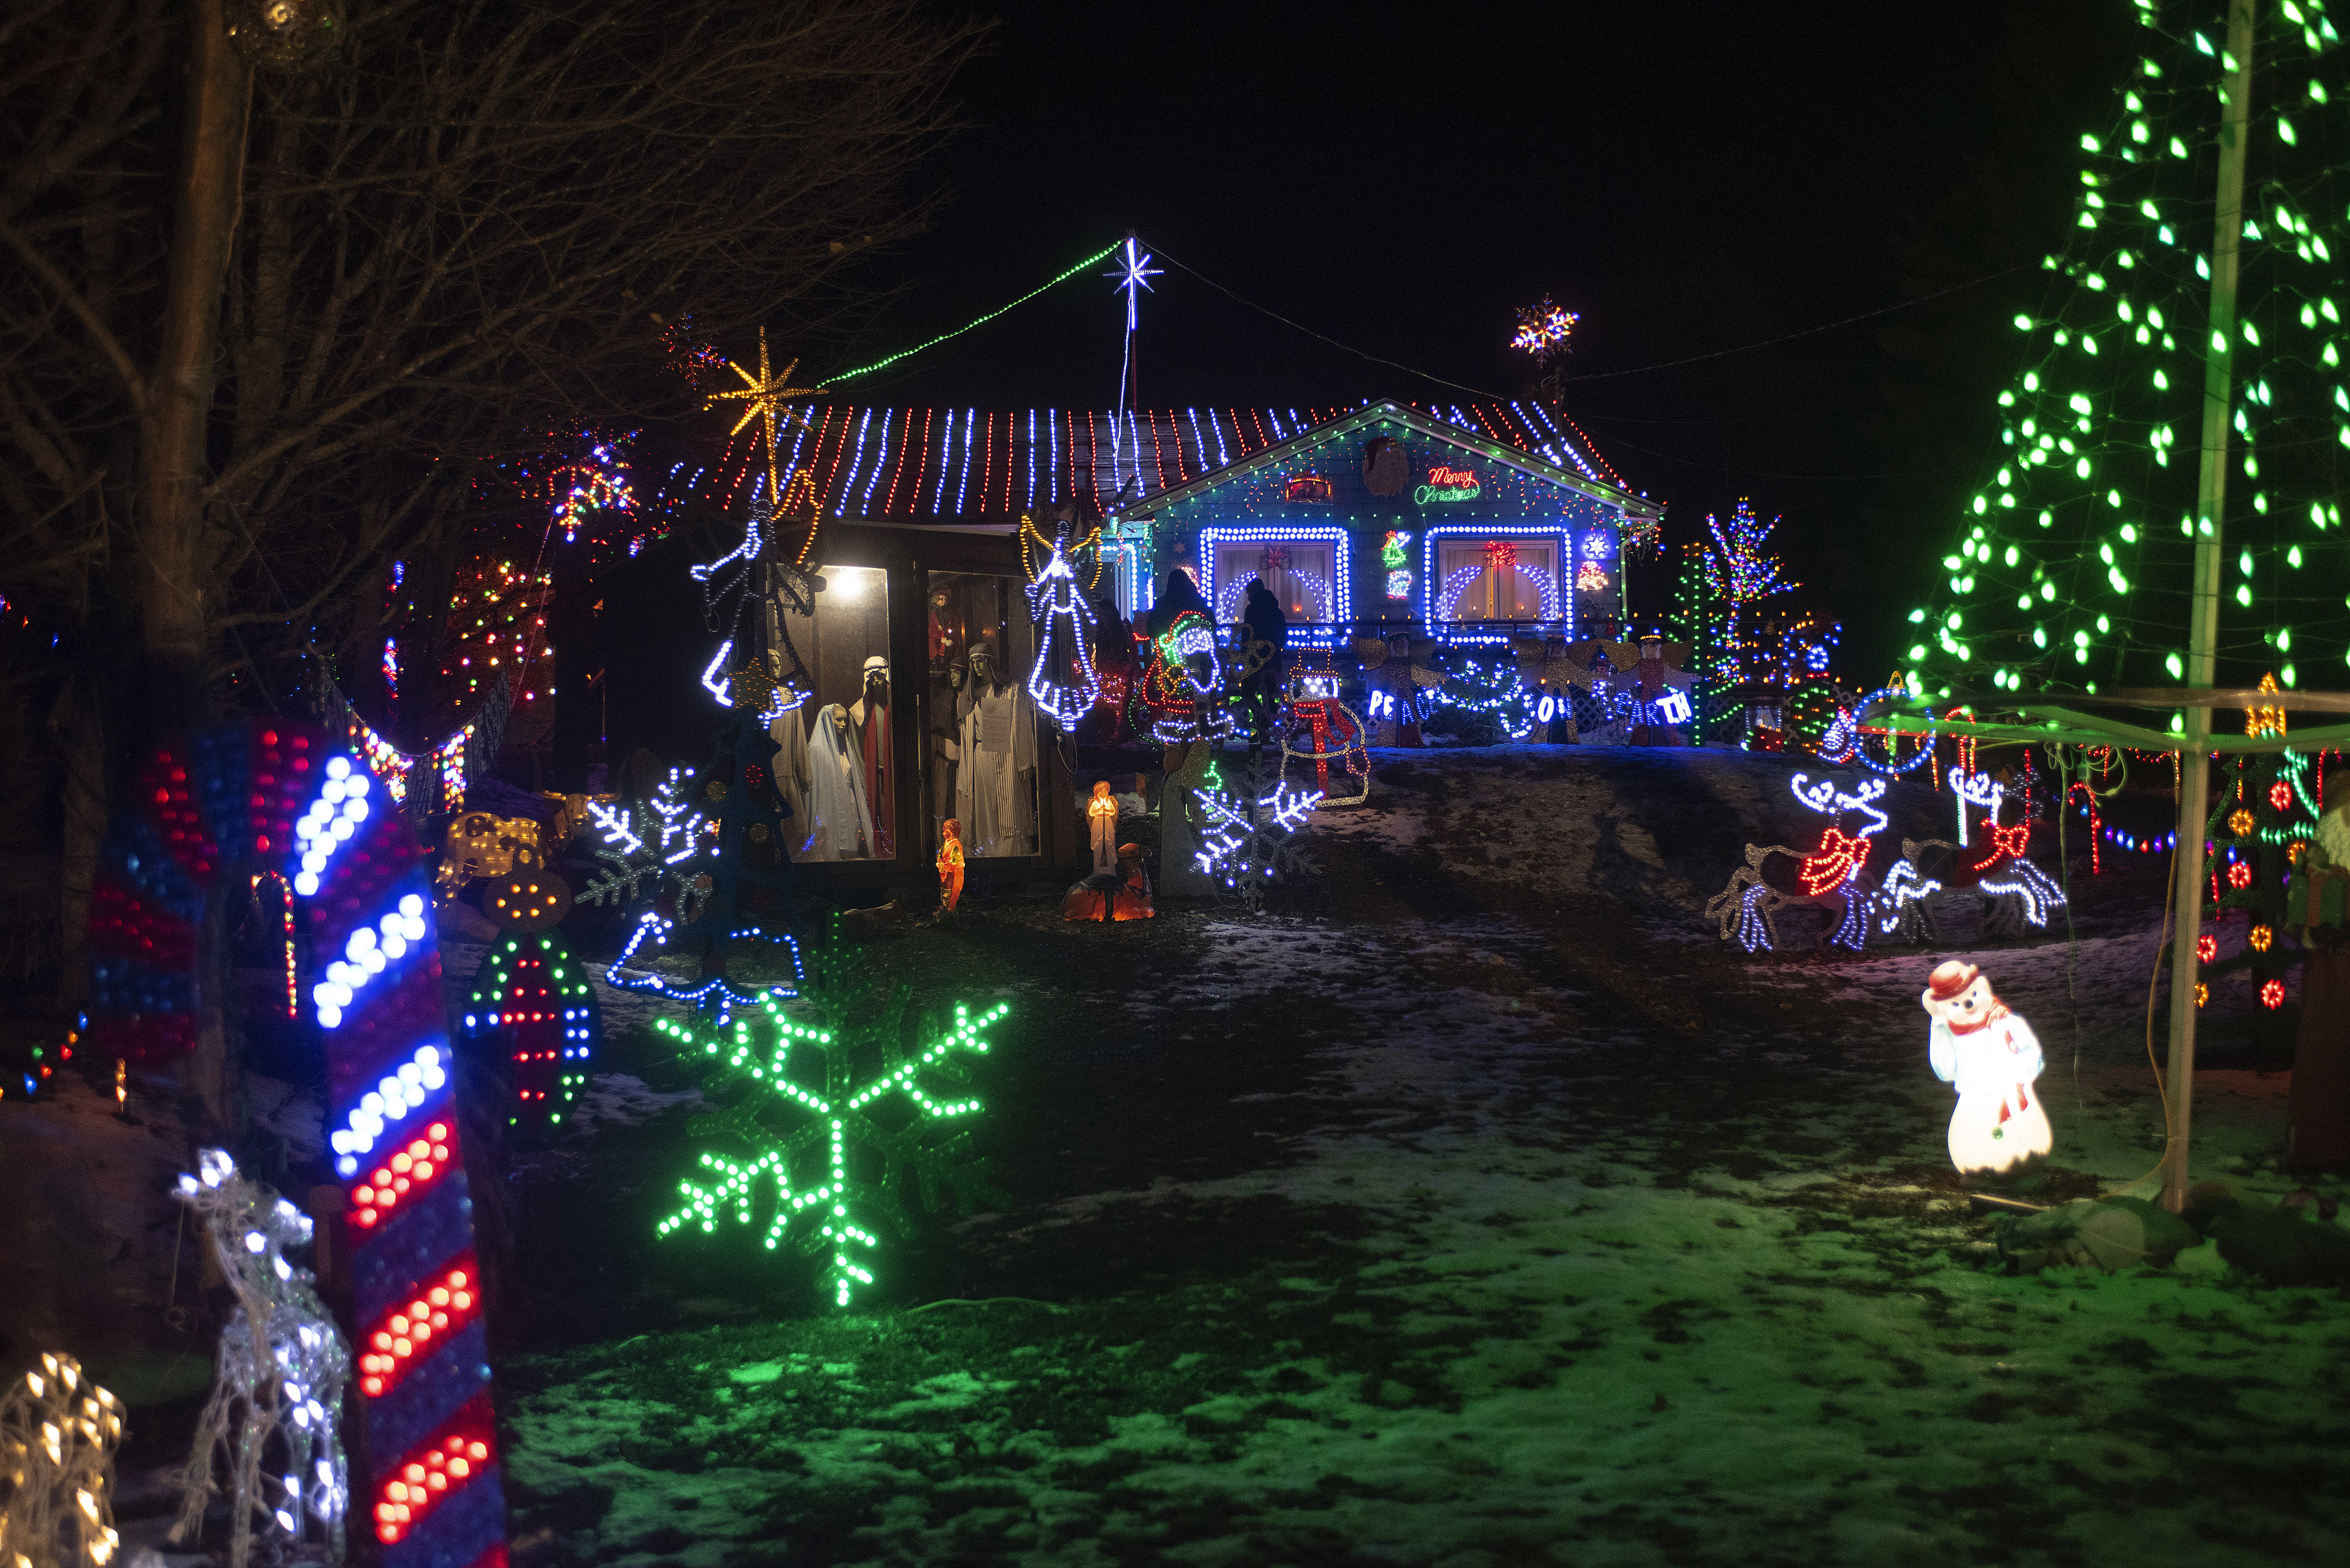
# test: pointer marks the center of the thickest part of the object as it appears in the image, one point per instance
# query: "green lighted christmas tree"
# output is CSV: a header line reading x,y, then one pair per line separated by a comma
x,y
1700,619
2075,567
834,1108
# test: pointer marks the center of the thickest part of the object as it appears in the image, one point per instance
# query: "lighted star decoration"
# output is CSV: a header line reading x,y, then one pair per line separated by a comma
x,y
1543,328
762,397
1134,271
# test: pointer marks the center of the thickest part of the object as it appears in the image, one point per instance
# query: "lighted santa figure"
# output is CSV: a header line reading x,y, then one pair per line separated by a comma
x,y
1993,1058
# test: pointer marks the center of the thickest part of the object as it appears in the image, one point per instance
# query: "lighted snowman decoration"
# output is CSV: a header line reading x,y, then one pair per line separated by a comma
x,y
1993,1058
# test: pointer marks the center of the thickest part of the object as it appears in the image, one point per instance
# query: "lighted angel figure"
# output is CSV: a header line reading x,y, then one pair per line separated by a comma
x,y
1994,1059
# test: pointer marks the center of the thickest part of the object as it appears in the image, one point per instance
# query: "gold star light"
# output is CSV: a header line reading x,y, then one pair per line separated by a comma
x,y
763,398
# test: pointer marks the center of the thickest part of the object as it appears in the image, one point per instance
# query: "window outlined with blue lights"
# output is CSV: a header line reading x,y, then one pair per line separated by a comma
x,y
1310,568
1544,588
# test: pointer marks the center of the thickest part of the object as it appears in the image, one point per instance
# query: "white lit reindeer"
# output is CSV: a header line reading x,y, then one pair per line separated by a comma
x,y
277,1384
2015,892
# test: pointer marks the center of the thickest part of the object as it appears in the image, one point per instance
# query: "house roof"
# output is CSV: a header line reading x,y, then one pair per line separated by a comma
x,y
1561,464
919,463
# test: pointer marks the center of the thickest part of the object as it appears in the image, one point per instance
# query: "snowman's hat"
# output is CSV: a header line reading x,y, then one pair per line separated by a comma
x,y
1949,979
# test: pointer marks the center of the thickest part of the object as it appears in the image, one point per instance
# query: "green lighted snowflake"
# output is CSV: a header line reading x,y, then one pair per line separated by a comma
x,y
841,1153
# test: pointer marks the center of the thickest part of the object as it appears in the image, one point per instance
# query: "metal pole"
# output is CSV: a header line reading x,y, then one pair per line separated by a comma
x,y
2203,609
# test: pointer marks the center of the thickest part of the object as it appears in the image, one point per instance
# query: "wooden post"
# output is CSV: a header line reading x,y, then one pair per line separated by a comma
x,y
2204,607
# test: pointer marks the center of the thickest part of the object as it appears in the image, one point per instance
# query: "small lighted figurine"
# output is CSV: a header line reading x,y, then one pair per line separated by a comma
x,y
949,864
1993,1058
1101,825
1133,898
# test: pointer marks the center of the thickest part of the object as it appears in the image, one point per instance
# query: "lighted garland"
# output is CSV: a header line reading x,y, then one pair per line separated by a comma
x,y
277,797
835,1114
1491,686
2080,549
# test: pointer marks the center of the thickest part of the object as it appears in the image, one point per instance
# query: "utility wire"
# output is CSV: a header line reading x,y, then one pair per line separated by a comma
x,y
1808,331
1473,392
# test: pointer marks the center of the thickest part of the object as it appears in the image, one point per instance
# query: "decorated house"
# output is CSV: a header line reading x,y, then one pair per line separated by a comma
x,y
922,652
1389,517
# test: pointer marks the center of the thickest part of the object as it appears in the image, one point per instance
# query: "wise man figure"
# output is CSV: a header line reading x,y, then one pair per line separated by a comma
x,y
869,716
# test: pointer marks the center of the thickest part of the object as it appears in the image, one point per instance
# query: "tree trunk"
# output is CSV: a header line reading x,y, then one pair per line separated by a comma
x,y
178,406
2320,1112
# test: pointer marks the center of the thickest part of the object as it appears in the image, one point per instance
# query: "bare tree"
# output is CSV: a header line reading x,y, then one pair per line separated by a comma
x,y
276,279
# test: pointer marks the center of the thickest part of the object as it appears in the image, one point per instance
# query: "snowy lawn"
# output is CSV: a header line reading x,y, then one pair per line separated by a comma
x,y
1476,1208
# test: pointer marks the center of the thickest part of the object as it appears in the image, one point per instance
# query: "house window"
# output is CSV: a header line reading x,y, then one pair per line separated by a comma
x,y
1511,578
1300,572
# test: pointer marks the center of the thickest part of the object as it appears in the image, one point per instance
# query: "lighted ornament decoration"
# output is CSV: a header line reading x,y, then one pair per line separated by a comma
x,y
497,630
1395,554
1247,828
1994,1060
1697,622
1134,273
1448,483
949,865
272,1426
532,1000
838,1109
2265,811
58,1432
595,482
2074,555
1063,681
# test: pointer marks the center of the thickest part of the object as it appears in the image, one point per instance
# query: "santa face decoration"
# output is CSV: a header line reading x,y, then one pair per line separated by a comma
x,y
1994,1060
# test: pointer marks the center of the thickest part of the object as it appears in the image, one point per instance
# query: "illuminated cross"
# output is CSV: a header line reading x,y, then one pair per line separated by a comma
x,y
763,398
1134,271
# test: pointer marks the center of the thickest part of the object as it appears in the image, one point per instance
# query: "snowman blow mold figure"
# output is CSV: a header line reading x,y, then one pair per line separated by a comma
x,y
1993,1058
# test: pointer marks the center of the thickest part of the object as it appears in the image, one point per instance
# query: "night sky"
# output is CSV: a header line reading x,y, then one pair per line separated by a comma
x,y
1689,178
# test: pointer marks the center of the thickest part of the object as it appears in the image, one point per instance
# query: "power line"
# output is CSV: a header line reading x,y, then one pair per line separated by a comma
x,y
1806,332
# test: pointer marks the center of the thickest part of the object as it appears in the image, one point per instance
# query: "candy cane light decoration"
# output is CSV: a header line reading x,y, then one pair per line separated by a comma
x,y
270,796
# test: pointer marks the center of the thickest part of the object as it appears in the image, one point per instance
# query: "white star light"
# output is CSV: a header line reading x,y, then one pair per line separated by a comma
x,y
1134,270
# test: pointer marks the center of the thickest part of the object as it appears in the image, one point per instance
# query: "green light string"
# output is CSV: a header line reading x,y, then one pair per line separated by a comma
x,y
980,321
2073,563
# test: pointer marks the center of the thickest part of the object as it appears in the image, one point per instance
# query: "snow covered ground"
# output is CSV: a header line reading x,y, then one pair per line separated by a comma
x,y
1477,1206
